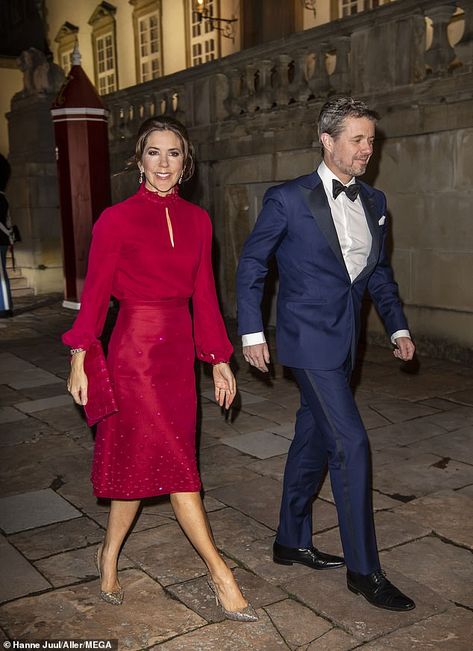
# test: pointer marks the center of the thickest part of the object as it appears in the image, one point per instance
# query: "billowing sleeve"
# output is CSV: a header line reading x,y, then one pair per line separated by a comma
x,y
95,299
211,341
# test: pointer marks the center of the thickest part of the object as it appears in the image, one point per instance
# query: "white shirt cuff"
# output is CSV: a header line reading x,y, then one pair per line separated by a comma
x,y
399,333
253,338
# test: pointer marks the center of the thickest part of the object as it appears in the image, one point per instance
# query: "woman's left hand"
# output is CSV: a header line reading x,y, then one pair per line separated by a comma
x,y
225,384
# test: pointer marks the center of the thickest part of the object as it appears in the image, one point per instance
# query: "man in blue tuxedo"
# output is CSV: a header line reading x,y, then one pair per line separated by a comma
x,y
328,232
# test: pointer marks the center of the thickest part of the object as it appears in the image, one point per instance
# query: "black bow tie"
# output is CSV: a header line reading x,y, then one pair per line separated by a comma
x,y
351,191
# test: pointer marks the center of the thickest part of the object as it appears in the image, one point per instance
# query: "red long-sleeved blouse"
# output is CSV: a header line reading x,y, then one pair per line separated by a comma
x,y
132,257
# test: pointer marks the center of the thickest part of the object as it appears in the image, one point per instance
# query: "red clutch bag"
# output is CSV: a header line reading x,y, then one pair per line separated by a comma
x,y
100,398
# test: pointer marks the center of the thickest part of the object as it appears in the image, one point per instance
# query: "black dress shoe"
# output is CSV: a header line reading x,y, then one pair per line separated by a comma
x,y
310,557
380,592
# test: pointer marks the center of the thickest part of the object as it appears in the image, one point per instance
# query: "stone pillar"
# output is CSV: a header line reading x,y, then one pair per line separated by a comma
x,y
33,188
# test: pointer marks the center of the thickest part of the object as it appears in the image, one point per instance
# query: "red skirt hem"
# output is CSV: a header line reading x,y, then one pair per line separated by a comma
x,y
118,495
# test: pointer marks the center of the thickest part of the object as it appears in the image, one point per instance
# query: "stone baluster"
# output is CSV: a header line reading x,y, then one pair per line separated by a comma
x,y
113,116
130,114
464,48
281,92
124,120
161,101
233,102
299,88
440,54
264,92
135,117
179,103
220,92
249,91
319,81
167,102
148,107
340,78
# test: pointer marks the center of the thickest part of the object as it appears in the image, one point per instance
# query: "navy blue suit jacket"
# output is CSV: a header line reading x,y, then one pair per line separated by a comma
x,y
318,309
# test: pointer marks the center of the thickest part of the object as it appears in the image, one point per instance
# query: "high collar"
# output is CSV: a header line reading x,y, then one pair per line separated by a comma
x,y
154,197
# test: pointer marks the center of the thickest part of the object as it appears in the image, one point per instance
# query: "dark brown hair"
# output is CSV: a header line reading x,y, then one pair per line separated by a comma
x,y
167,123
334,112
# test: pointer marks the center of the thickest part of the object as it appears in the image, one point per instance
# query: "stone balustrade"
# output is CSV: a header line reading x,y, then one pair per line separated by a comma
x,y
252,118
369,54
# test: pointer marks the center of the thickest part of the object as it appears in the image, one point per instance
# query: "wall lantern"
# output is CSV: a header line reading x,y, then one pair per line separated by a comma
x,y
203,11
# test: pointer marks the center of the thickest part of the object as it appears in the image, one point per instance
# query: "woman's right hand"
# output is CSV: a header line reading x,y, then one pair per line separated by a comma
x,y
77,381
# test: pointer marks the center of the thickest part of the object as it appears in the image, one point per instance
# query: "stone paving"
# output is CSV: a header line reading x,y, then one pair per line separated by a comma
x,y
421,430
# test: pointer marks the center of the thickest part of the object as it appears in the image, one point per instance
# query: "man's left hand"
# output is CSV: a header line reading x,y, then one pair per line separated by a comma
x,y
404,348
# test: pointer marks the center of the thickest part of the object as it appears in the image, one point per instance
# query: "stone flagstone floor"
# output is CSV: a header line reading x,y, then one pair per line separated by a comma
x,y
421,431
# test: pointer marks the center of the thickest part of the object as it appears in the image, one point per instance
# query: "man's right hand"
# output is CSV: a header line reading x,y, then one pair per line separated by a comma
x,y
258,356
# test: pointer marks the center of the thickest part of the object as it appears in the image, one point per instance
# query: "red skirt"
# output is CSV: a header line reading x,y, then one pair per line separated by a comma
x,y
148,447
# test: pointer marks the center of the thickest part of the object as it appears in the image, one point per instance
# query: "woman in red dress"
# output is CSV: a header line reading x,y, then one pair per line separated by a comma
x,y
153,253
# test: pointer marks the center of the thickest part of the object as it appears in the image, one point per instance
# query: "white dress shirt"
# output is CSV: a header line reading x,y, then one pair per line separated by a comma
x,y
350,223
353,234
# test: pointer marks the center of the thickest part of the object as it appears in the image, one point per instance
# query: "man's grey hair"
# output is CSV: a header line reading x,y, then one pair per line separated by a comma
x,y
335,111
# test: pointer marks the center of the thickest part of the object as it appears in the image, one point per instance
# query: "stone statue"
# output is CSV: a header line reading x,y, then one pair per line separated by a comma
x,y
40,74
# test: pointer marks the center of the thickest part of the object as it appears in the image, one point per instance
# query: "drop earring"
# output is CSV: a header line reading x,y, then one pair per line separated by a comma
x,y
181,177
141,176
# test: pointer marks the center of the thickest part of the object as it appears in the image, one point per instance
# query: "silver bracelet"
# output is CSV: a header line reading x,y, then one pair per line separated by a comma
x,y
73,351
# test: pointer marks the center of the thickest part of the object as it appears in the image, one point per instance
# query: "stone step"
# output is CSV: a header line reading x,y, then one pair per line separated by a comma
x,y
18,282
14,273
23,291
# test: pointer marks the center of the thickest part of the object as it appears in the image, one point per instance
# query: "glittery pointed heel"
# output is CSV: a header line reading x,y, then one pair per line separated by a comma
x,y
114,598
247,614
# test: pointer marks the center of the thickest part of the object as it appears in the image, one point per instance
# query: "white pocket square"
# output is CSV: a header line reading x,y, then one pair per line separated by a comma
x,y
382,220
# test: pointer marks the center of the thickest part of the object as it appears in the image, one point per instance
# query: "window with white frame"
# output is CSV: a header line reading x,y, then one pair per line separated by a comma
x,y
149,47
148,39
350,7
65,60
104,46
105,63
203,36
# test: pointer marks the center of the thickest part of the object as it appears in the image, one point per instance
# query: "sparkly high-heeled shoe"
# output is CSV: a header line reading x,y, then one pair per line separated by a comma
x,y
247,614
115,598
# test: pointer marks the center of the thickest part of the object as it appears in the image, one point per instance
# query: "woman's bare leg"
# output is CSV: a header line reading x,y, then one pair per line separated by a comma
x,y
193,519
121,516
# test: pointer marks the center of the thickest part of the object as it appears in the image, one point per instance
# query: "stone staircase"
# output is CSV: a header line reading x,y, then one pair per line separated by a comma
x,y
18,282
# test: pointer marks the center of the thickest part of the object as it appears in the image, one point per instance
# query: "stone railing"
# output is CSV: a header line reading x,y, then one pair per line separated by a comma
x,y
371,54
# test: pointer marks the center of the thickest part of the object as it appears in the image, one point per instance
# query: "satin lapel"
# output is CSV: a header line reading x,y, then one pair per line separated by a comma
x,y
372,218
320,209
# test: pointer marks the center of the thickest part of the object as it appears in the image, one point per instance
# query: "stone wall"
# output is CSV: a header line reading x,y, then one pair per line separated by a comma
x,y
33,191
252,117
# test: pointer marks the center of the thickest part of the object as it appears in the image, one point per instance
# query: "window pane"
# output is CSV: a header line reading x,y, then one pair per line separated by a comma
x,y
202,33
149,46
105,57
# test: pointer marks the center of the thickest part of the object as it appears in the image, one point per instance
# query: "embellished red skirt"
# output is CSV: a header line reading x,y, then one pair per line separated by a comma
x,y
148,447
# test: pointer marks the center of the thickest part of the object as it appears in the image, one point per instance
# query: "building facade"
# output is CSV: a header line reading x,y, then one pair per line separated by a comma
x,y
127,42
250,97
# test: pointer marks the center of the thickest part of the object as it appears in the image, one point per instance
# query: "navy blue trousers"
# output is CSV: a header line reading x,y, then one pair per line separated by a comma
x,y
329,430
